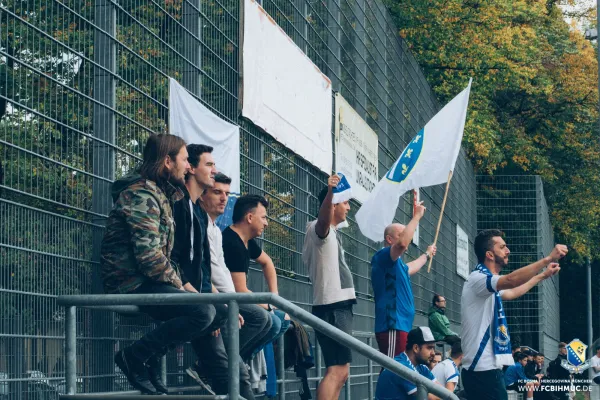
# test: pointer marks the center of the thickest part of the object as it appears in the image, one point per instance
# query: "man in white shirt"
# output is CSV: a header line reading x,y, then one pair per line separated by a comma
x,y
595,361
446,372
486,341
333,287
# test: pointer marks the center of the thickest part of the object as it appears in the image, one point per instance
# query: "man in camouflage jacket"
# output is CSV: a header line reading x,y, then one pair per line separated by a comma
x,y
136,258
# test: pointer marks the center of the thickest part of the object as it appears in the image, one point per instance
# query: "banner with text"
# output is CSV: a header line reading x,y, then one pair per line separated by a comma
x,y
462,252
356,153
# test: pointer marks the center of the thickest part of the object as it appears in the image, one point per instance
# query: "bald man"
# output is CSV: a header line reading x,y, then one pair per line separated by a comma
x,y
390,276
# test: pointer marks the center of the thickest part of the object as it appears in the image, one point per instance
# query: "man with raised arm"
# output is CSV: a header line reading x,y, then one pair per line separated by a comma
x,y
333,287
390,277
485,339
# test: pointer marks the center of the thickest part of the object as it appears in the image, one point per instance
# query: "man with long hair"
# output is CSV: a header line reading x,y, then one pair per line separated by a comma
x,y
136,258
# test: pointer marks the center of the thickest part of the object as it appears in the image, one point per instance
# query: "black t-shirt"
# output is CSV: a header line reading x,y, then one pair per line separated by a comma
x,y
237,256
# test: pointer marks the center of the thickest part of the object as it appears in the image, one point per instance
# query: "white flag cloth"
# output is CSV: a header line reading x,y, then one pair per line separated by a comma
x,y
426,161
196,124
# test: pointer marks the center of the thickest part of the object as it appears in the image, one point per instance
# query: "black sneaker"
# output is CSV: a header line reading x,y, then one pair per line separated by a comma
x,y
134,371
195,371
154,375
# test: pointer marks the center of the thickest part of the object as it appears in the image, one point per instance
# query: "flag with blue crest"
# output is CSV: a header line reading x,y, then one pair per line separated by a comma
x,y
427,160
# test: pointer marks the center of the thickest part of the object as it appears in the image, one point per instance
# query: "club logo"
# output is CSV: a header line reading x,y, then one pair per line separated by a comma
x,y
575,362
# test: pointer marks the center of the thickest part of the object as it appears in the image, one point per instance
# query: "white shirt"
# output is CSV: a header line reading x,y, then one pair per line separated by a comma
x,y
595,361
445,372
192,231
477,313
220,275
330,276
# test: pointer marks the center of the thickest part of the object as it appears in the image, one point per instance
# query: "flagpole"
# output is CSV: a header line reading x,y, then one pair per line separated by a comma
x,y
437,231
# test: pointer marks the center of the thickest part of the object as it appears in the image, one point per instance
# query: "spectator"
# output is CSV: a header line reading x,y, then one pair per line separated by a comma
x,y
333,287
435,360
249,221
191,250
192,253
485,336
516,380
446,372
439,323
136,258
390,277
420,347
533,369
595,361
257,321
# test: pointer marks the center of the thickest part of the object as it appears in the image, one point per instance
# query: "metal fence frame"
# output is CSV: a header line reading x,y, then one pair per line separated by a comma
x,y
424,385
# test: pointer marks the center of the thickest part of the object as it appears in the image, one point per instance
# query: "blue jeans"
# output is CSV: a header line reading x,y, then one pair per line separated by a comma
x,y
279,327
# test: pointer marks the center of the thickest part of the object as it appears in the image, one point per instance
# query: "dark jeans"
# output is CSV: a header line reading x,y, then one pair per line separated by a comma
x,y
257,324
192,323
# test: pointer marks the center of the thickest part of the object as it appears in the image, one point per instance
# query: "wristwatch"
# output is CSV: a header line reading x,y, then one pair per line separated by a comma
x,y
427,255
269,308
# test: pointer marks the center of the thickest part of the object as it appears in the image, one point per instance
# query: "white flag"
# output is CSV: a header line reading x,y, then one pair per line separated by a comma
x,y
426,161
196,124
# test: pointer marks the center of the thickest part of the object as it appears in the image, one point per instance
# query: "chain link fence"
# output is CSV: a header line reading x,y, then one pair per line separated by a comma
x,y
82,86
517,206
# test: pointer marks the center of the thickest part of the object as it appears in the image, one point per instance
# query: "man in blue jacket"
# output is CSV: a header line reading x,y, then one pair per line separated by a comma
x,y
515,378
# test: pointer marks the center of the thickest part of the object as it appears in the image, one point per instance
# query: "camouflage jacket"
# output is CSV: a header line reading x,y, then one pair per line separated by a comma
x,y
139,236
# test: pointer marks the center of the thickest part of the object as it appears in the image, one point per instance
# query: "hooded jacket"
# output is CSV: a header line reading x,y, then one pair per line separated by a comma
x,y
439,324
139,236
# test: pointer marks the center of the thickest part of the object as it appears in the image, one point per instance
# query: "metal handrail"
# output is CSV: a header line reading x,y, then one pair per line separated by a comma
x,y
70,302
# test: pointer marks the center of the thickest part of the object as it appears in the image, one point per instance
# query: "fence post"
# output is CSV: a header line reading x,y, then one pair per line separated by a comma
x,y
370,364
192,50
318,361
421,392
233,349
71,350
281,365
103,167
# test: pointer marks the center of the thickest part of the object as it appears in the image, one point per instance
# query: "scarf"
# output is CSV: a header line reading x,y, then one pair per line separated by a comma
x,y
499,328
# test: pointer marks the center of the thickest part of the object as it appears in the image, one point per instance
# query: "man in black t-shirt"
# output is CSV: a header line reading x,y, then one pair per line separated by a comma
x,y
249,221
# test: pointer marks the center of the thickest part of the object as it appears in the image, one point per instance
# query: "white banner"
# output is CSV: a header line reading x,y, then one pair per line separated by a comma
x,y
462,252
284,93
356,152
195,123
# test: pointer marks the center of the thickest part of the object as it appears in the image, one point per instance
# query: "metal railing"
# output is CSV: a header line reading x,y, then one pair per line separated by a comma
x,y
108,302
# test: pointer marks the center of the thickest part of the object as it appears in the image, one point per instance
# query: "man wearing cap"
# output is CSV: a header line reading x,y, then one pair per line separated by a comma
x,y
333,287
485,336
390,277
420,347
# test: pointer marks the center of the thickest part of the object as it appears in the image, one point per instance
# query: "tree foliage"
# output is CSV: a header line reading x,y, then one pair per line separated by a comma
x,y
534,99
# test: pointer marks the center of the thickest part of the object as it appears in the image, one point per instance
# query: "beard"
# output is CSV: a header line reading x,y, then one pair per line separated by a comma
x,y
500,261
175,180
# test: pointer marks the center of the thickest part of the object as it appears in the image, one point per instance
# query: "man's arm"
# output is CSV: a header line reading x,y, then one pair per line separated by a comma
x,y
407,234
240,284
142,216
511,294
269,272
326,210
524,274
418,263
450,386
